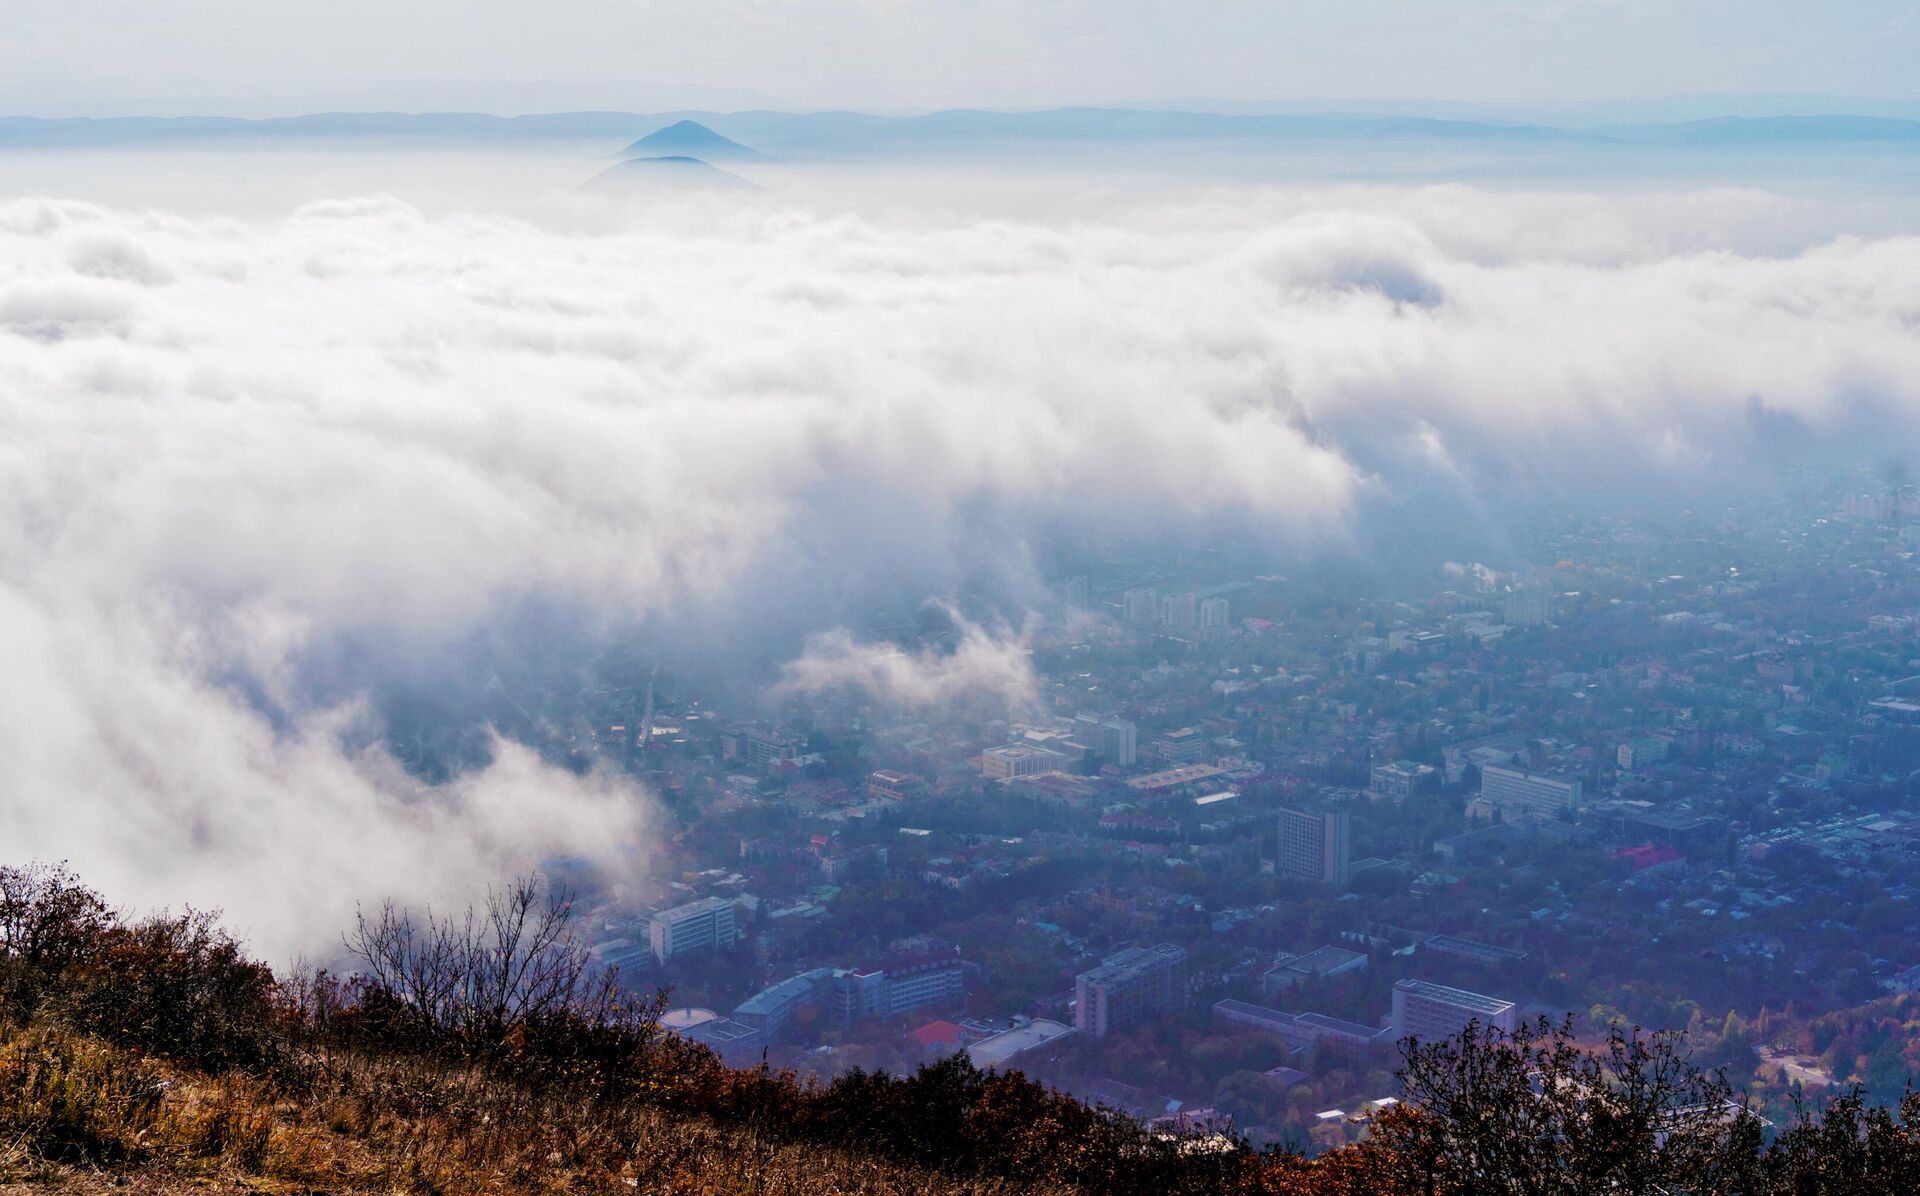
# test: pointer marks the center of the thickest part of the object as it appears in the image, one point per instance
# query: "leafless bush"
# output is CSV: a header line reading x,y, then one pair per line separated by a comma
x,y
486,981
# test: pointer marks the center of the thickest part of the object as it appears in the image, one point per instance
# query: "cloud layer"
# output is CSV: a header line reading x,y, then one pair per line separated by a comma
x,y
226,444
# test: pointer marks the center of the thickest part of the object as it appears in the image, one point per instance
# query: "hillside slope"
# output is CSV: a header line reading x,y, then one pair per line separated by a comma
x,y
489,1055
103,1119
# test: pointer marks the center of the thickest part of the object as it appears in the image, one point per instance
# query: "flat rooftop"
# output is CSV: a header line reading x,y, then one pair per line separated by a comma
x,y
1453,996
1321,960
1249,1009
720,1032
1008,1045
694,909
1280,1019
778,996
1484,952
1134,961
1173,776
1335,1025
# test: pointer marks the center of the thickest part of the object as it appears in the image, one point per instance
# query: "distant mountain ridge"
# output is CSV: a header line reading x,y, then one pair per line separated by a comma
x,y
1774,129
853,134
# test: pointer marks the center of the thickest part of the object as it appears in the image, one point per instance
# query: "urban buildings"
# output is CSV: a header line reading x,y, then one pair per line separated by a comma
x,y
844,995
1528,606
1113,740
1517,791
1313,846
1182,745
1641,752
1428,1011
1289,971
1300,1031
772,1010
1016,760
903,985
703,925
1777,791
1213,614
895,786
1129,988
1026,1037
758,746
1142,605
1173,779
1180,611
1071,591
1398,780
735,1043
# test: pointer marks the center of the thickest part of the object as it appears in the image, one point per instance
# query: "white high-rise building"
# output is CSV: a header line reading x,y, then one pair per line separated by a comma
x,y
1213,613
1142,605
1313,846
1180,610
1114,740
703,925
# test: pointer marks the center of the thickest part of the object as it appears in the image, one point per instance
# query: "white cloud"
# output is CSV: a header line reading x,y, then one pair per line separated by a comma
x,y
982,663
224,443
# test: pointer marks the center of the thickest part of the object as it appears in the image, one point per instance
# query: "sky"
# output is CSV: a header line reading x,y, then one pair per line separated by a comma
x,y
276,57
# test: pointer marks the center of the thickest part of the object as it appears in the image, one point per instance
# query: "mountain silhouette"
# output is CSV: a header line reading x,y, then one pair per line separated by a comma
x,y
687,138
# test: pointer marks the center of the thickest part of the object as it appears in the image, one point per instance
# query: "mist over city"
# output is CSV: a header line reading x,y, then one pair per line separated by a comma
x,y
983,558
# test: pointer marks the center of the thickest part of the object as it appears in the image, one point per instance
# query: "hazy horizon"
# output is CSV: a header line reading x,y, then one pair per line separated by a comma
x,y
99,55
507,99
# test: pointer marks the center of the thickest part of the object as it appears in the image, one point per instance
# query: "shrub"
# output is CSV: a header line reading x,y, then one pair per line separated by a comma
x,y
49,923
179,987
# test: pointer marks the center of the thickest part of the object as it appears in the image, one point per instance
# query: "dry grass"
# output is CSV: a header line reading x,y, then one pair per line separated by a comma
x,y
479,1055
79,1116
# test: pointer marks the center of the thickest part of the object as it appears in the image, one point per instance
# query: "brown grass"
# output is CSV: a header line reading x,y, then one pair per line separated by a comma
x,y
77,1115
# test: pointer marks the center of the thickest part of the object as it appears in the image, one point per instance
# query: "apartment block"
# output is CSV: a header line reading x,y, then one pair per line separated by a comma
x,y
1313,846
1129,988
1430,1011
1517,791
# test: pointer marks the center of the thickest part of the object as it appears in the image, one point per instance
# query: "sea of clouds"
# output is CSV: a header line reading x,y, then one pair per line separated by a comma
x,y
226,442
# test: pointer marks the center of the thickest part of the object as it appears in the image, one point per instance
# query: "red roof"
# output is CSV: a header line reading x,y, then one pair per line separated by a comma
x,y
1647,855
939,1034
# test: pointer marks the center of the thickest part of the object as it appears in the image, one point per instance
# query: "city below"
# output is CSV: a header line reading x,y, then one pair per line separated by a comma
x,y
1249,832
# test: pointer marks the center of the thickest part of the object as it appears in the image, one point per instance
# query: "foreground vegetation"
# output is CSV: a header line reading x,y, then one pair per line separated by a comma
x,y
487,1054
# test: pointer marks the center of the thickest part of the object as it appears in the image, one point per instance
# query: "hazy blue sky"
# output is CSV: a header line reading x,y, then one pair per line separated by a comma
x,y
264,56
